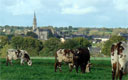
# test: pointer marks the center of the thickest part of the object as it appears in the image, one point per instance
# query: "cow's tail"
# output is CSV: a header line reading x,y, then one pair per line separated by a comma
x,y
55,57
7,59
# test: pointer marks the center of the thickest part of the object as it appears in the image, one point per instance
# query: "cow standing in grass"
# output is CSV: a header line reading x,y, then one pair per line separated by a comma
x,y
13,54
65,55
119,60
79,57
82,59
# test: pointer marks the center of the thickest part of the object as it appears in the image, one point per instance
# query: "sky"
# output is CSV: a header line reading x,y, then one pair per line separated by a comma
x,y
61,13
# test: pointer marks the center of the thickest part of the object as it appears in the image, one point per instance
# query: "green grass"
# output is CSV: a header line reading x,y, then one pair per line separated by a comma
x,y
43,69
92,58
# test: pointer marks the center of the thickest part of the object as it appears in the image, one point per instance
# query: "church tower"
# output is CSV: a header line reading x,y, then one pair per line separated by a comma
x,y
34,22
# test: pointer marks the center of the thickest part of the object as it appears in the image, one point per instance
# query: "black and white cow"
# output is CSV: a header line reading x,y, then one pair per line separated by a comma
x,y
13,54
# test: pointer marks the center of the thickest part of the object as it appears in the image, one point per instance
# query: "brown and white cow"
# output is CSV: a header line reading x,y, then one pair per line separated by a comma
x,y
119,59
79,57
64,55
13,54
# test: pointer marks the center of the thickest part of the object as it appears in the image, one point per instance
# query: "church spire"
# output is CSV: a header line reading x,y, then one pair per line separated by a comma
x,y
34,22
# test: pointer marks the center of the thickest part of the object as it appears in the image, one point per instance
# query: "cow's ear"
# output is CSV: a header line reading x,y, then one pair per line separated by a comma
x,y
16,52
112,48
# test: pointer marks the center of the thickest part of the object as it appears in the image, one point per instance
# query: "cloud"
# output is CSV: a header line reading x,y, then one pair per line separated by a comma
x,y
78,11
80,7
27,7
121,5
21,7
77,7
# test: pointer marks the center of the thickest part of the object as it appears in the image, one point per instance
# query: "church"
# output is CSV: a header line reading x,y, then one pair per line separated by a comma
x,y
43,34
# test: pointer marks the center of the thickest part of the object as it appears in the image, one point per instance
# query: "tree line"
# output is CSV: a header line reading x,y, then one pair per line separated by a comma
x,y
37,47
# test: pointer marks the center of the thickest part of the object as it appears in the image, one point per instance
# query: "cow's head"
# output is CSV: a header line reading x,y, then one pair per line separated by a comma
x,y
113,48
29,63
76,53
88,66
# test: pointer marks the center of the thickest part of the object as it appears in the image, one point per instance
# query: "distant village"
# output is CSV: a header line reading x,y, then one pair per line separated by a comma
x,y
95,35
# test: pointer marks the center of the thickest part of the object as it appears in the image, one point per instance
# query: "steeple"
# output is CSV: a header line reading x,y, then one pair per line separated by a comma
x,y
34,22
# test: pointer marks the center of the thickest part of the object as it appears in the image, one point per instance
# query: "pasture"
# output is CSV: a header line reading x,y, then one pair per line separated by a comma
x,y
43,69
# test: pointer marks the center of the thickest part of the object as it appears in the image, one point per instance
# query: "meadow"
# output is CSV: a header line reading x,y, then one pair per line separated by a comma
x,y
43,69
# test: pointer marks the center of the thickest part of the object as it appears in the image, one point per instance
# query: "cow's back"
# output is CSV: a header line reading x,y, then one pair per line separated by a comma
x,y
119,59
64,55
84,55
123,57
11,54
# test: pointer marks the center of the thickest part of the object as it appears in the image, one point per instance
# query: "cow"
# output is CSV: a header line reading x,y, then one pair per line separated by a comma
x,y
75,58
119,59
13,54
64,55
82,59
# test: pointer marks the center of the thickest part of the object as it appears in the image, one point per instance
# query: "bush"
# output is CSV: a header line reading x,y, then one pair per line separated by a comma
x,y
3,41
107,46
32,34
82,42
68,44
74,43
50,47
3,51
33,46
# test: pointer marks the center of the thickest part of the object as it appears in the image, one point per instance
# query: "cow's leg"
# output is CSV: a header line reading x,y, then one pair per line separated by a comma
x,y
56,65
10,62
113,75
121,75
70,67
77,66
22,61
59,63
82,68
7,61
114,71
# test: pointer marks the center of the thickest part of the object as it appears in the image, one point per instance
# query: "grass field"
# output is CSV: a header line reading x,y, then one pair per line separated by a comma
x,y
43,69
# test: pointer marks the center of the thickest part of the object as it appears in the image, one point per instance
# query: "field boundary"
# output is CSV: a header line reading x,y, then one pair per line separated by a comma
x,y
92,58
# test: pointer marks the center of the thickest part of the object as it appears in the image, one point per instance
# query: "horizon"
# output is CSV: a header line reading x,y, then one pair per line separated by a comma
x,y
64,13
66,26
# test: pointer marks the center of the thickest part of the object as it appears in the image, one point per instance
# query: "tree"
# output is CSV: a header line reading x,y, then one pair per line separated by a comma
x,y
107,46
17,42
3,41
50,46
82,42
74,43
69,44
32,34
32,45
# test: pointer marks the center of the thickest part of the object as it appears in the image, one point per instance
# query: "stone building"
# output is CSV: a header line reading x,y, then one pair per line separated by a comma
x,y
43,34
